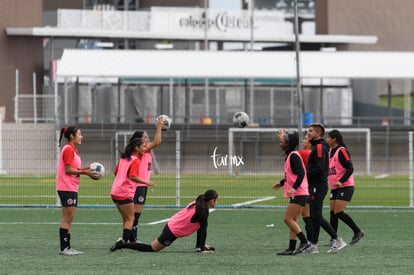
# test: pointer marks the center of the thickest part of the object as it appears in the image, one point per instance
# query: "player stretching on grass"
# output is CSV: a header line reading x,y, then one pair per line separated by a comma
x,y
67,184
145,174
124,185
295,188
341,181
192,218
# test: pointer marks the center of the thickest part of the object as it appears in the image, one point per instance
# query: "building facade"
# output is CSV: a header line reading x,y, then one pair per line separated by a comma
x,y
27,61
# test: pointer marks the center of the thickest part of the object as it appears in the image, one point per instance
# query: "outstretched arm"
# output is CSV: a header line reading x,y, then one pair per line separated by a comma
x,y
157,137
201,240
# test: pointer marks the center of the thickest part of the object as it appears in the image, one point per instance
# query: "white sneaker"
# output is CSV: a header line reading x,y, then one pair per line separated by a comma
x,y
312,249
337,245
76,252
70,252
330,243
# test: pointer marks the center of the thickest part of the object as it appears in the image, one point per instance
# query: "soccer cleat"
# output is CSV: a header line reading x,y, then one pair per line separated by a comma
x,y
357,237
70,252
312,249
302,247
286,252
119,244
337,245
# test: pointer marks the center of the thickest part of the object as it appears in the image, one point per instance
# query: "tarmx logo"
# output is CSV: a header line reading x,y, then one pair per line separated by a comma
x,y
224,160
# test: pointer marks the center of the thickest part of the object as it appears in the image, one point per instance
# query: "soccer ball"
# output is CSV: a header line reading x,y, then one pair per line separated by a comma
x,y
167,122
240,119
98,167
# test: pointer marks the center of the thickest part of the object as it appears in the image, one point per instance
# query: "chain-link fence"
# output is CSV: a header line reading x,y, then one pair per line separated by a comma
x,y
191,159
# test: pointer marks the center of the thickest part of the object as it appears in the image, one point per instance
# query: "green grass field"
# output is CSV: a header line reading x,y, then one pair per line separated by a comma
x,y
244,244
392,191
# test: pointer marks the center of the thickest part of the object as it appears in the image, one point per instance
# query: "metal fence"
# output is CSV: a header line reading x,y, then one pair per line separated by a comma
x,y
191,159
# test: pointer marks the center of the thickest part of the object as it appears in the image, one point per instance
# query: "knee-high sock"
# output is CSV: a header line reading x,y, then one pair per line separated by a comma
x,y
292,245
135,227
126,234
348,221
64,238
334,221
139,246
308,227
302,237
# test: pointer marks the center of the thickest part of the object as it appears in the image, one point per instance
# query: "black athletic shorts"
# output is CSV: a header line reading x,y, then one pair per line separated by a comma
x,y
343,194
301,200
166,237
68,199
140,195
122,202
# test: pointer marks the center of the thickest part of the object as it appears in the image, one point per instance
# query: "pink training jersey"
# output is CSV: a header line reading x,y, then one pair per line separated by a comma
x,y
336,170
68,156
290,179
123,187
180,224
145,168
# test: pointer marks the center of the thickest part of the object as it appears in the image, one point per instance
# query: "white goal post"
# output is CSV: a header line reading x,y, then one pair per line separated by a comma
x,y
233,130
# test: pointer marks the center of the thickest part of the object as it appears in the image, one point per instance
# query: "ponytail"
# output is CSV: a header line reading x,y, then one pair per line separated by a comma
x,y
338,136
201,205
67,132
130,148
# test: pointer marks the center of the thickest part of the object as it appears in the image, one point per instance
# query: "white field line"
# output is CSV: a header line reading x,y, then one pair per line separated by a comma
x,y
157,222
117,223
253,201
382,176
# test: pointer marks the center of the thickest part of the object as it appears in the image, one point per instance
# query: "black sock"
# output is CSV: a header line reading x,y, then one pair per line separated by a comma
x,y
139,246
64,238
334,221
135,227
292,245
126,235
348,221
302,237
308,227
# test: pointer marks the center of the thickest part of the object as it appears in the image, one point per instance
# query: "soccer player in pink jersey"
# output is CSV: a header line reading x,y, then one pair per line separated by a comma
x,y
127,175
140,195
295,187
67,184
341,181
192,218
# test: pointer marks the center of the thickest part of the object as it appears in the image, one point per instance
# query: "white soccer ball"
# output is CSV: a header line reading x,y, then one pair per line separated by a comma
x,y
98,167
240,119
167,122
